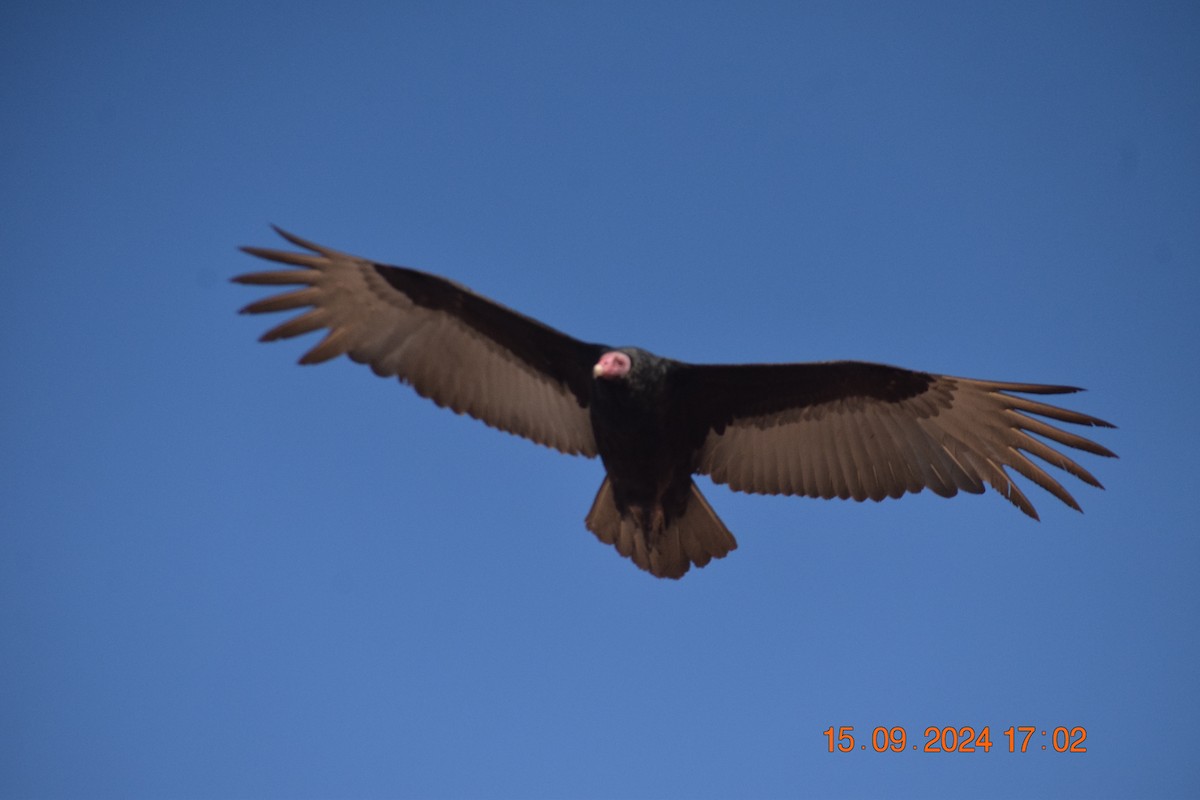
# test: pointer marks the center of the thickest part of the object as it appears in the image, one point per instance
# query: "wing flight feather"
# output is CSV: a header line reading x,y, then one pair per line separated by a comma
x,y
459,349
856,430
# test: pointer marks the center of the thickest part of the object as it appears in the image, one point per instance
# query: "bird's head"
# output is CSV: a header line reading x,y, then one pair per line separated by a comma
x,y
613,365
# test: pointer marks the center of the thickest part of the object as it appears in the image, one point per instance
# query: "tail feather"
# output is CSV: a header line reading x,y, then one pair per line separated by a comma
x,y
666,555
697,537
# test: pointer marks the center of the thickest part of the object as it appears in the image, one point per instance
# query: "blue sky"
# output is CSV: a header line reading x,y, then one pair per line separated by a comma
x,y
224,575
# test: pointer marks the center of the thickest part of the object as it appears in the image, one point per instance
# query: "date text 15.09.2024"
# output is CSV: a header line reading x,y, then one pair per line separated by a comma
x,y
949,739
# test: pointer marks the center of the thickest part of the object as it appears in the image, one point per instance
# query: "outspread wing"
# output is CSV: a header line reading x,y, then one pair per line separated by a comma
x,y
856,430
455,347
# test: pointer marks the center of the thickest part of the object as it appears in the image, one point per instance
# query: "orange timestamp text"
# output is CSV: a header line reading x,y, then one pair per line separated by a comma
x,y
966,739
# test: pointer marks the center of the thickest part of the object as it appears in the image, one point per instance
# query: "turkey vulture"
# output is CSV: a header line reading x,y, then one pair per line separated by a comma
x,y
843,429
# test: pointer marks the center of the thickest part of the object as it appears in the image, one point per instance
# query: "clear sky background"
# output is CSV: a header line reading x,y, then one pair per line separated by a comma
x,y
224,575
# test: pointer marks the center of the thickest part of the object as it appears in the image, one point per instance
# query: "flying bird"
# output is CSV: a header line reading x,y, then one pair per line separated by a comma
x,y
844,429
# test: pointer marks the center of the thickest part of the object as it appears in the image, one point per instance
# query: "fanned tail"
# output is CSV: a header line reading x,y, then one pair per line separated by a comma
x,y
697,537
